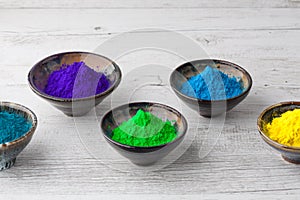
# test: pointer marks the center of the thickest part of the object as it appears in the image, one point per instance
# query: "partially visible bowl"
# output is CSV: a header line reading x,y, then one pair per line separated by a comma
x,y
143,155
10,150
290,154
209,108
40,72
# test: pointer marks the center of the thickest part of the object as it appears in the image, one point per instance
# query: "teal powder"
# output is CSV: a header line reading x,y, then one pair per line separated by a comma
x,y
12,126
212,84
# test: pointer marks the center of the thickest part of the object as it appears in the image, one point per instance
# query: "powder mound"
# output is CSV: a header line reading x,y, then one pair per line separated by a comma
x,y
286,128
76,81
12,126
144,130
212,84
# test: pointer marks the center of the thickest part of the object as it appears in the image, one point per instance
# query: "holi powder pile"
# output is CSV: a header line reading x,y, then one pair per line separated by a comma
x,y
212,84
144,130
76,80
285,129
12,126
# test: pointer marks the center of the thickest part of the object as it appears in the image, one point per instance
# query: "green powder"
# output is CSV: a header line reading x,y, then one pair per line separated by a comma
x,y
144,130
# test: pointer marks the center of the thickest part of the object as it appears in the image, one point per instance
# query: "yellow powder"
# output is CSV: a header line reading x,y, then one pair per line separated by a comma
x,y
286,128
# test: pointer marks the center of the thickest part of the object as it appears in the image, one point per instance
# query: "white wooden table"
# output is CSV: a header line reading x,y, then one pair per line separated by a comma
x,y
261,36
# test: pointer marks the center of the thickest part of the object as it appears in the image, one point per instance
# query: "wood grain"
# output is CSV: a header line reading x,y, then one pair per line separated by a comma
x,y
82,22
157,4
262,36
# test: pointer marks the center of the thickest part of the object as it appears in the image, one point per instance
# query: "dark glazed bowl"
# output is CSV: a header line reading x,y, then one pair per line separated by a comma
x,y
290,154
10,150
209,108
39,74
143,155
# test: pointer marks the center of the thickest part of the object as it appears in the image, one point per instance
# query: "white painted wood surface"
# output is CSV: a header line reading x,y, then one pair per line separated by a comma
x,y
262,36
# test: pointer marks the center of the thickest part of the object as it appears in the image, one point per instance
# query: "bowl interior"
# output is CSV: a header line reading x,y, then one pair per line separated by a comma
x,y
39,74
187,70
21,110
275,111
115,117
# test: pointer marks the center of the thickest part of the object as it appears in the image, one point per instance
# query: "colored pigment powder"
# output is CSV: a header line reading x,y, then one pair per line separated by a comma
x,y
12,126
285,129
76,81
212,84
144,130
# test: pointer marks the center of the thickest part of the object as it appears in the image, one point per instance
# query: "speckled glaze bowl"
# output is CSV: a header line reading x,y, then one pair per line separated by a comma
x,y
39,74
209,108
143,155
10,150
290,154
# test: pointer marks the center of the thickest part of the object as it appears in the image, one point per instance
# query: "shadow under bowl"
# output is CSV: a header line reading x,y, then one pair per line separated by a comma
x,y
290,154
209,108
143,155
40,72
10,150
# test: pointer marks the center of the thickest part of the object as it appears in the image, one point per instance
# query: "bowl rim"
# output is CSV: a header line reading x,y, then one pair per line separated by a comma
x,y
269,140
29,133
231,64
54,98
137,149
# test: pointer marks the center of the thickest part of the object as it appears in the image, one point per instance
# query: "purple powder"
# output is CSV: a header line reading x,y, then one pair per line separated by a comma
x,y
76,81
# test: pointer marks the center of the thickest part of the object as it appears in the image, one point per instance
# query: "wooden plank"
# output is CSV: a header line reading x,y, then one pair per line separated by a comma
x,y
250,49
157,4
114,21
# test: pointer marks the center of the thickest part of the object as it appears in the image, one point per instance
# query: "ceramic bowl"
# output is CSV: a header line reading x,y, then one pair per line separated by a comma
x,y
39,74
290,154
209,108
143,155
10,150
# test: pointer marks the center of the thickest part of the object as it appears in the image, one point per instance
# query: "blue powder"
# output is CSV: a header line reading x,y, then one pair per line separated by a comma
x,y
12,126
212,84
